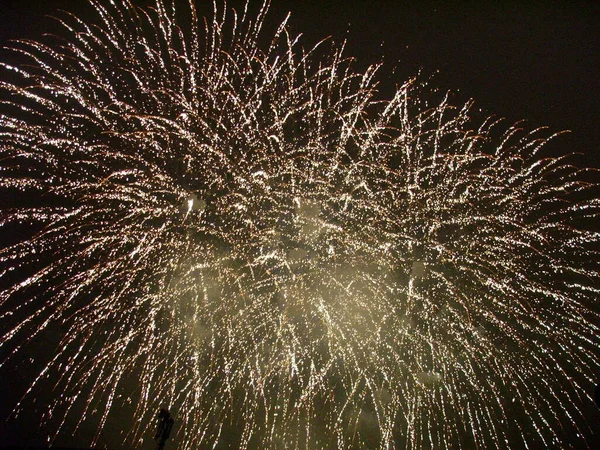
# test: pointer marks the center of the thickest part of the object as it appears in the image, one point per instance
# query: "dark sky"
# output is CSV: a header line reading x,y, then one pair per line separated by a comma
x,y
538,61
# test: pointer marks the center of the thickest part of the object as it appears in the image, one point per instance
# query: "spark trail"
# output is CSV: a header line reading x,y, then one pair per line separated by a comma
x,y
250,237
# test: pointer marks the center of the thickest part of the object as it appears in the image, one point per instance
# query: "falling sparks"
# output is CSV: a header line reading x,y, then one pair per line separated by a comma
x,y
249,236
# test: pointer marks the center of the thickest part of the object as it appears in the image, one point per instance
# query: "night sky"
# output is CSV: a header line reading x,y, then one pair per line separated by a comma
x,y
538,61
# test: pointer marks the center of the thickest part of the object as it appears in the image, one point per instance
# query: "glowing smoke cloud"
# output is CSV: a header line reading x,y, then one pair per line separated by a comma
x,y
247,236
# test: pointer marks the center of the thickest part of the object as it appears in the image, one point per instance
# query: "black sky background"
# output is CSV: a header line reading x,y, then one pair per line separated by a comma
x,y
538,61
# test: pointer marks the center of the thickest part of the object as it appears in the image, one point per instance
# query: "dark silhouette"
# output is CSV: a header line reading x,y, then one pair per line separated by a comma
x,y
163,429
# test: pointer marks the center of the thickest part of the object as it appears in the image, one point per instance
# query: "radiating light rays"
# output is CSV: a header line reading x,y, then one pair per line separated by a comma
x,y
247,236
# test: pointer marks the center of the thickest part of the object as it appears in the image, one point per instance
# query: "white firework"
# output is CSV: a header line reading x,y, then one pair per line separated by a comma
x,y
250,237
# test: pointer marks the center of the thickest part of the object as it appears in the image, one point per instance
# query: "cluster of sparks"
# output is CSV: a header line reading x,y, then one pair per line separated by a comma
x,y
249,237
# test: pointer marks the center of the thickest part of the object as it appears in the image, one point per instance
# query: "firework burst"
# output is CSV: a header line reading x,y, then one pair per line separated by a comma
x,y
247,235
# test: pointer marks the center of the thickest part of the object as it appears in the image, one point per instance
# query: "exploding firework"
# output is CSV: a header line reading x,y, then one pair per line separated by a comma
x,y
247,235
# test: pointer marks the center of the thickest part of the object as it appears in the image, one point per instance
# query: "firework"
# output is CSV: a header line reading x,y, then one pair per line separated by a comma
x,y
249,236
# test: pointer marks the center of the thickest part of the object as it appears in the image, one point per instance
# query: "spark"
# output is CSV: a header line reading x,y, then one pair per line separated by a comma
x,y
252,237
